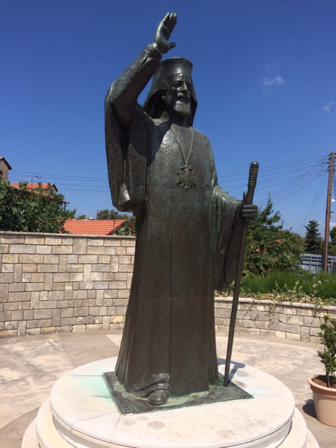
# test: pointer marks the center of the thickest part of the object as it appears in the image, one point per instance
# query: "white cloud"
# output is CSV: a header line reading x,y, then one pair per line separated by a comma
x,y
277,81
322,226
272,79
328,107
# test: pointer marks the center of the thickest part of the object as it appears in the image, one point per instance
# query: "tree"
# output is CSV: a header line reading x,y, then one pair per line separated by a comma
x,y
22,210
114,214
126,229
313,239
269,247
332,244
103,214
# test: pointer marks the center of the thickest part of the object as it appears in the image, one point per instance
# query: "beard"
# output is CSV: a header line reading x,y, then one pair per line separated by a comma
x,y
183,109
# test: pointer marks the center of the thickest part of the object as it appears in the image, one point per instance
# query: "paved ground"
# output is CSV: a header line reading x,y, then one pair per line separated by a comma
x,y
29,366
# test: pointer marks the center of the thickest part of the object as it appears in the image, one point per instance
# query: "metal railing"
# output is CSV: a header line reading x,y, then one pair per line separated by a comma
x,y
313,263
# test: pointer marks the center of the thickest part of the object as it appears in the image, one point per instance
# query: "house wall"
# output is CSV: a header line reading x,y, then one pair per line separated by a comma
x,y
68,283
3,170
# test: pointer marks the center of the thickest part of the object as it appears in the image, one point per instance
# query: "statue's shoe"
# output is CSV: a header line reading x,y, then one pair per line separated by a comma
x,y
158,397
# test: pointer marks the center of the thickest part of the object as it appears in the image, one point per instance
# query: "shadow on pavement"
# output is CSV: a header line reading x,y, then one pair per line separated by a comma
x,y
309,408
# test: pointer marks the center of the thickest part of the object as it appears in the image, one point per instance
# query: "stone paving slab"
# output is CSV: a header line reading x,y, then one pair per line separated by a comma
x,y
29,366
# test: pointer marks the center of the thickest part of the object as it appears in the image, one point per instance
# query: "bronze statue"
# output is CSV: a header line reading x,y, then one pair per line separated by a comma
x,y
188,229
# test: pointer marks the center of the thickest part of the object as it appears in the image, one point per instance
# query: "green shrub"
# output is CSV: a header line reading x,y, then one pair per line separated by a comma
x,y
269,246
323,286
290,286
328,354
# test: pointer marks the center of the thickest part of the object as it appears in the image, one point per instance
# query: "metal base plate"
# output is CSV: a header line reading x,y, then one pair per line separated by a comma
x,y
129,404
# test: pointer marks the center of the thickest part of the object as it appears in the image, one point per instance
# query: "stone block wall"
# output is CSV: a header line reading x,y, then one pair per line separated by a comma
x,y
53,283
61,283
266,318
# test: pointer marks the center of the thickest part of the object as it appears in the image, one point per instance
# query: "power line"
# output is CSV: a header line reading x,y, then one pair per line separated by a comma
x,y
314,202
234,174
88,178
283,180
269,182
91,190
291,178
296,185
300,163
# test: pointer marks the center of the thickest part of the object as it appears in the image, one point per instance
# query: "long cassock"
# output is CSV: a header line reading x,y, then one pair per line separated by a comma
x,y
187,239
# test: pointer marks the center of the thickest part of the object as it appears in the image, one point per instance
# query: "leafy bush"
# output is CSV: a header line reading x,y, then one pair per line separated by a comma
x,y
322,286
126,229
328,354
290,286
272,282
22,210
269,246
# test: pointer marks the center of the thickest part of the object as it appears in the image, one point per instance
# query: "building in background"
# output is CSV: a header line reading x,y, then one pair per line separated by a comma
x,y
4,168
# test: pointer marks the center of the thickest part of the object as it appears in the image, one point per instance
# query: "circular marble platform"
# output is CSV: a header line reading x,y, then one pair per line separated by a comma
x,y
81,413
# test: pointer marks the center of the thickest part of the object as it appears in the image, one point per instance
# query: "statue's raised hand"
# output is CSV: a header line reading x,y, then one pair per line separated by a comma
x,y
164,31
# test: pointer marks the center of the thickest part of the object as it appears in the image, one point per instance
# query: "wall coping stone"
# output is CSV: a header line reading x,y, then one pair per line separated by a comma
x,y
273,302
67,235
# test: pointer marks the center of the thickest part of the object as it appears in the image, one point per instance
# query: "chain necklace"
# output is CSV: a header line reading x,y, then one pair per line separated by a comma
x,y
185,175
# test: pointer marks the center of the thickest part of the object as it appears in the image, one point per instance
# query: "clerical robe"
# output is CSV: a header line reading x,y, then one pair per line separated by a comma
x,y
187,242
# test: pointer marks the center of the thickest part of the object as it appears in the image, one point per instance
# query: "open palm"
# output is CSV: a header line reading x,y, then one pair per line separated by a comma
x,y
164,31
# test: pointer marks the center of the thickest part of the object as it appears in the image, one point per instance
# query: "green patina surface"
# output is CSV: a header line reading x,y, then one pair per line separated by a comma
x,y
129,404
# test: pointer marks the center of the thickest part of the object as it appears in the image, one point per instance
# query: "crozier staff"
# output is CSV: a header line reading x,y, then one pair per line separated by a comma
x,y
188,229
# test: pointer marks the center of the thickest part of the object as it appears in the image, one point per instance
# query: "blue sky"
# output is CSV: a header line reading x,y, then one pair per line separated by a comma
x,y
264,73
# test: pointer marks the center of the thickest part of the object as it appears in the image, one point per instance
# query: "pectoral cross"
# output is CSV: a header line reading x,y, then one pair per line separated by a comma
x,y
185,177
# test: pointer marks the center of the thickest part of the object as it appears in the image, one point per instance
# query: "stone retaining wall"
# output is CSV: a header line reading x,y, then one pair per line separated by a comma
x,y
61,283
266,318
52,283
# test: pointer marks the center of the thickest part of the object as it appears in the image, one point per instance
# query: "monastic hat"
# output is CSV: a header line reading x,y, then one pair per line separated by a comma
x,y
166,69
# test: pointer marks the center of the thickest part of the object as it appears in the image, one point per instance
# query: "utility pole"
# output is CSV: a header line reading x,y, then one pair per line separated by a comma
x,y
328,213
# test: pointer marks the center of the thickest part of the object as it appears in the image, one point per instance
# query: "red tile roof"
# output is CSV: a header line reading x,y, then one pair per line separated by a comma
x,y
92,226
31,186
35,186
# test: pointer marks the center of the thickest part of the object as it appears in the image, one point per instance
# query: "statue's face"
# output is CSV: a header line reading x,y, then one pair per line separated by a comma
x,y
176,95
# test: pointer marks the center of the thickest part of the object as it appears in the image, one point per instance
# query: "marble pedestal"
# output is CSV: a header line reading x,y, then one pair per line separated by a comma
x,y
80,413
